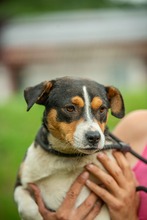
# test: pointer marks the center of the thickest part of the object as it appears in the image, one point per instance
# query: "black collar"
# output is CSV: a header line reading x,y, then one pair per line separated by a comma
x,y
42,140
114,143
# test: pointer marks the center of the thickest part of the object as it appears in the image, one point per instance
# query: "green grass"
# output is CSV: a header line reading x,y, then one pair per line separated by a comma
x,y
17,130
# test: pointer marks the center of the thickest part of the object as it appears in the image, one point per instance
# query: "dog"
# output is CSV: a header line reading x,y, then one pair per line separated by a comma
x,y
72,131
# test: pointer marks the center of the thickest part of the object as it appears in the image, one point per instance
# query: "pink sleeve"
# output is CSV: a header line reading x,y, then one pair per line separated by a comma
x,y
140,171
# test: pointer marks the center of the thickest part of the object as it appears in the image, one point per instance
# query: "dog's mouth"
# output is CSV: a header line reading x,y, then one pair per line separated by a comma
x,y
89,150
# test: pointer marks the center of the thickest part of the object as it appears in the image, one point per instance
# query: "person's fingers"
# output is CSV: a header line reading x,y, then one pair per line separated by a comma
x,y
113,167
34,189
104,177
87,205
36,193
74,191
104,194
124,165
95,211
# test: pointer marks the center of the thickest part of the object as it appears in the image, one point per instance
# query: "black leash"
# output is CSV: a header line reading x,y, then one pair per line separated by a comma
x,y
123,147
119,145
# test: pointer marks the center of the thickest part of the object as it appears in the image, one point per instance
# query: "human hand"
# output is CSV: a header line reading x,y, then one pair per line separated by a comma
x,y
88,210
120,186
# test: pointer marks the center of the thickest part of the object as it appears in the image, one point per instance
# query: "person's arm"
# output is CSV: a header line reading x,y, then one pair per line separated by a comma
x,y
120,186
88,210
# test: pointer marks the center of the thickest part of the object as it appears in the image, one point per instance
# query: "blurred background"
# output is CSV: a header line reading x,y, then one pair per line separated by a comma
x,y
41,40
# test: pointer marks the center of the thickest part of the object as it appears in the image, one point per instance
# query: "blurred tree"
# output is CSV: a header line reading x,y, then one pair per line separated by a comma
x,y
17,7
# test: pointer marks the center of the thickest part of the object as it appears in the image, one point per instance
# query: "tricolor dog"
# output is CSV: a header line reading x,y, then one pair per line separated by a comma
x,y
72,132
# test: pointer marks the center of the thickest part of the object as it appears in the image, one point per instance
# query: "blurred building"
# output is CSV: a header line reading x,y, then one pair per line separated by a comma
x,y
108,46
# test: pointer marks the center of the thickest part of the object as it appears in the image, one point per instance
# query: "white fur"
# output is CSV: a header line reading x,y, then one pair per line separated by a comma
x,y
87,104
53,175
82,128
88,125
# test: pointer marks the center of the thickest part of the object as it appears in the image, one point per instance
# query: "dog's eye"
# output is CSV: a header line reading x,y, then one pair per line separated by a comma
x,y
70,108
102,109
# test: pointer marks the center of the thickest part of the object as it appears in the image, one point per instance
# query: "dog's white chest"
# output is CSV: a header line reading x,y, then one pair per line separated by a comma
x,y
56,186
55,175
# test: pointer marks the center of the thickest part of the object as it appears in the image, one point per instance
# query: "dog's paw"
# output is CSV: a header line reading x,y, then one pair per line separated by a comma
x,y
27,208
29,213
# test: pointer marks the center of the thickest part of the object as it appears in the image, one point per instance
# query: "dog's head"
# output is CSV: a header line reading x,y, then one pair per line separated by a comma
x,y
76,112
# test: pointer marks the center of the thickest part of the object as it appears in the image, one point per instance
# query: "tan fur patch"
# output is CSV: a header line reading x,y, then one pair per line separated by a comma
x,y
102,126
115,99
47,85
96,103
78,101
61,130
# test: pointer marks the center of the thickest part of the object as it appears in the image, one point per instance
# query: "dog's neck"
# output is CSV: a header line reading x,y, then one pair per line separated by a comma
x,y
42,138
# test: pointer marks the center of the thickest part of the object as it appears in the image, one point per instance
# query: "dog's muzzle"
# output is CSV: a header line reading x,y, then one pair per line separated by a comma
x,y
88,137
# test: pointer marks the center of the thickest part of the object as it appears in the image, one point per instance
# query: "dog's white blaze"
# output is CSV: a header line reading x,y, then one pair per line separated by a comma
x,y
87,104
88,125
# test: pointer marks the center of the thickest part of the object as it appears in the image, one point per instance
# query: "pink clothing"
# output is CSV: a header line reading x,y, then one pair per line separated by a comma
x,y
140,171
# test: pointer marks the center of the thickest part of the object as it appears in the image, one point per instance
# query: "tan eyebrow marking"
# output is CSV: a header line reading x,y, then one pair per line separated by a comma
x,y
77,100
96,103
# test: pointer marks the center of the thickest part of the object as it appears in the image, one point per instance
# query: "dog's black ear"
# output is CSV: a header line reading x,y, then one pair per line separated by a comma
x,y
37,94
116,101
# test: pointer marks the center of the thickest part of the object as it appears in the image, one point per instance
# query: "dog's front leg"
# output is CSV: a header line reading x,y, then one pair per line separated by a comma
x,y
27,207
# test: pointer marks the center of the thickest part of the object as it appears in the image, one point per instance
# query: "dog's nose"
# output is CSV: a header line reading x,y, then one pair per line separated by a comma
x,y
93,137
